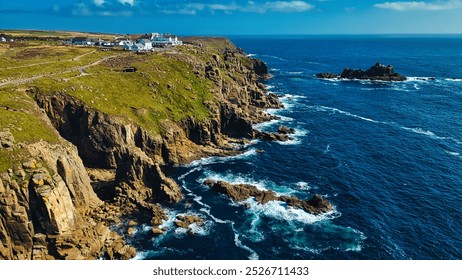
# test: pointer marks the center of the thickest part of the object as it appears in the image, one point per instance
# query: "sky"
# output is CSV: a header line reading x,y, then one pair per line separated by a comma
x,y
235,17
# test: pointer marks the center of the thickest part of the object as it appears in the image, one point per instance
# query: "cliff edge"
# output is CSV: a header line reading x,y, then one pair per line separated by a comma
x,y
83,142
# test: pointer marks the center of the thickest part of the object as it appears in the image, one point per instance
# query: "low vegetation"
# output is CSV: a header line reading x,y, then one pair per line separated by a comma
x,y
166,85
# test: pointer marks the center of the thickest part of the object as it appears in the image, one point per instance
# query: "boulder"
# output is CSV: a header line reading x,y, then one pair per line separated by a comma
x,y
157,231
268,136
285,130
6,140
184,221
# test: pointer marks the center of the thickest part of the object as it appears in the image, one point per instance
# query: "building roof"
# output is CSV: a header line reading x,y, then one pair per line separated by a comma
x,y
79,39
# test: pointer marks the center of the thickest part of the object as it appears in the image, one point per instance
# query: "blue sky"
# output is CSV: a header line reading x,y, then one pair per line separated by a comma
x,y
232,17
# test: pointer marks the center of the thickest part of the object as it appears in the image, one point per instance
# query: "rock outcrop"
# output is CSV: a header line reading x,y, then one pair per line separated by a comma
x,y
48,205
378,72
241,192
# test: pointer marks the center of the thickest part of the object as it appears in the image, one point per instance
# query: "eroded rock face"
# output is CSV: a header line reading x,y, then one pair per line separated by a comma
x,y
46,205
241,192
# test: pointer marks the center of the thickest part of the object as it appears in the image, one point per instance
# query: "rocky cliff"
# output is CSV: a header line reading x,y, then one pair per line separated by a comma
x,y
58,199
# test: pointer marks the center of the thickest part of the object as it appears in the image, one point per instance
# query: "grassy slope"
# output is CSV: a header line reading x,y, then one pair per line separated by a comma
x,y
164,86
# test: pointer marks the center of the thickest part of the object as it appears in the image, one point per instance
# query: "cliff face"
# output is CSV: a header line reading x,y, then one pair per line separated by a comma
x,y
48,204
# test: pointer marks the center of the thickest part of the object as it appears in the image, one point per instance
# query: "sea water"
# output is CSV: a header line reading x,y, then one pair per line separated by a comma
x,y
388,155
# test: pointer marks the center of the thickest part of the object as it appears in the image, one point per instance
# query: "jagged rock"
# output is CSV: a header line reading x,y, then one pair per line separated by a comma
x,y
241,192
378,72
131,230
260,68
30,164
315,205
132,223
158,216
157,231
268,136
285,130
53,212
184,221
6,140
327,75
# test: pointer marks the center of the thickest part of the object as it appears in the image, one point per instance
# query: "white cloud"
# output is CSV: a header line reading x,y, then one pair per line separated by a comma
x,y
421,5
288,7
81,9
250,7
129,2
99,2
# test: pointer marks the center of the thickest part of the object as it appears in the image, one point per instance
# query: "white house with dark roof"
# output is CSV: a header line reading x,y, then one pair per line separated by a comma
x,y
161,40
146,43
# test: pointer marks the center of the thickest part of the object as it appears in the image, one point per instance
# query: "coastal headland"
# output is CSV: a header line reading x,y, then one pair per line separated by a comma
x,y
86,133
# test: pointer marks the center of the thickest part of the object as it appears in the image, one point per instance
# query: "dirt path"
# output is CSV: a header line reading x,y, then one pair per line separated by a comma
x,y
33,78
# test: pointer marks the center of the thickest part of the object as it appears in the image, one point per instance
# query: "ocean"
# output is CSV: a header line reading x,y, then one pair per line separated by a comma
x,y
387,155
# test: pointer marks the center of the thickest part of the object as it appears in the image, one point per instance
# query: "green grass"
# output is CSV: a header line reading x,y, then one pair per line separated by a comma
x,y
24,62
162,88
18,114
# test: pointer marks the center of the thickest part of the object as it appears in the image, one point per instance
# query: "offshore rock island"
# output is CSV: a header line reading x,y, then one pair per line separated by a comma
x,y
84,141
378,72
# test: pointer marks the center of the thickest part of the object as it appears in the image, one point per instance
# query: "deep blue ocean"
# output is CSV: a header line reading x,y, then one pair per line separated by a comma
x,y
388,155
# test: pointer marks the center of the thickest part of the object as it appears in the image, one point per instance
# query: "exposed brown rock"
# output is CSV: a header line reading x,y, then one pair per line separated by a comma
x,y
48,207
241,192
285,130
6,140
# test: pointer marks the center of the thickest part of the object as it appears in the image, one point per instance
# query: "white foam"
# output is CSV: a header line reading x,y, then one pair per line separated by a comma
x,y
303,186
295,72
236,179
275,57
212,160
280,211
189,172
251,55
430,134
171,217
419,130
253,255
454,154
253,232
327,149
335,110
419,79
295,137
453,80
262,126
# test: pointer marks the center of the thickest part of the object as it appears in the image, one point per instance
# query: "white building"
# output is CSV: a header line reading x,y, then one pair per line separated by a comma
x,y
161,40
146,43
135,47
2,39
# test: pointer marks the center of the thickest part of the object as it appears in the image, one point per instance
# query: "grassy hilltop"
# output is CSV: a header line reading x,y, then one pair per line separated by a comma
x,y
165,85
